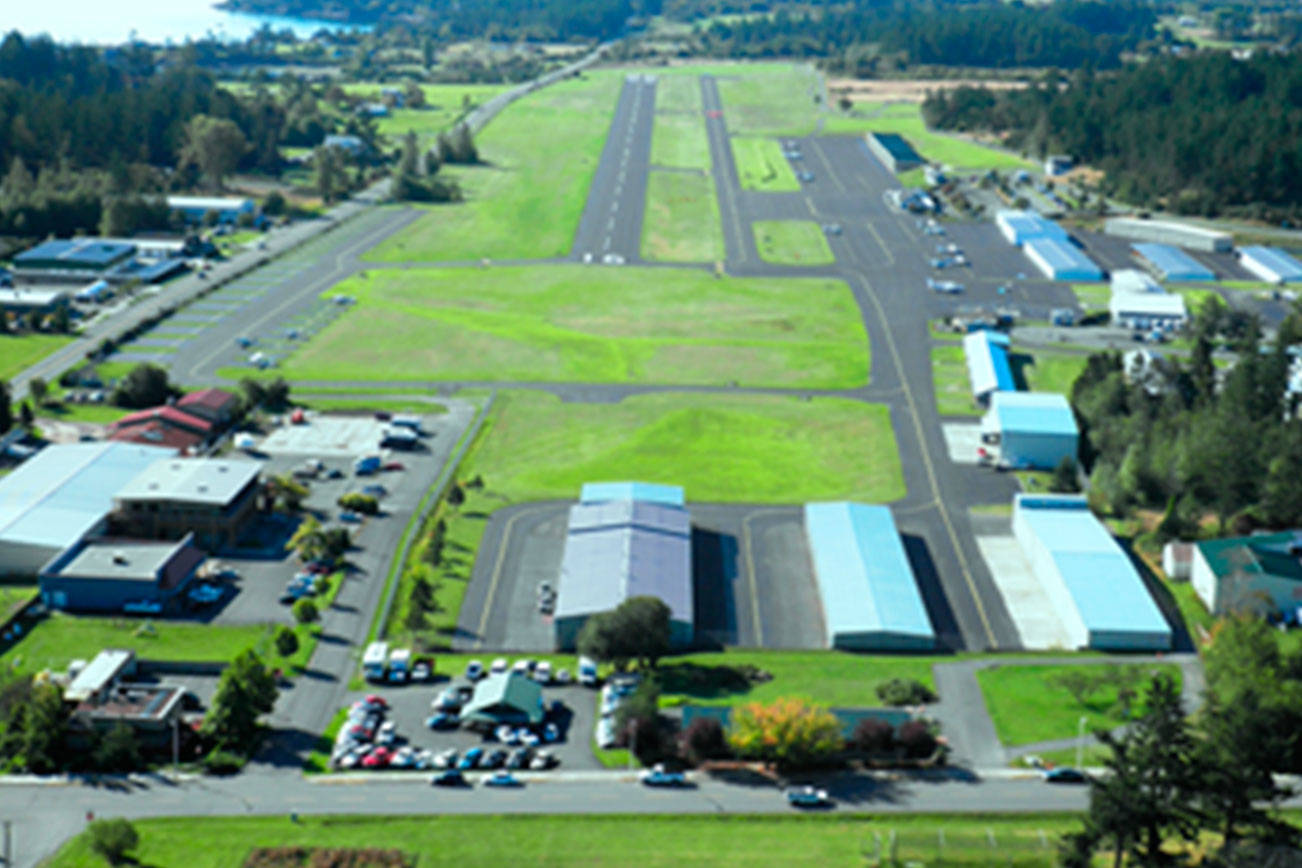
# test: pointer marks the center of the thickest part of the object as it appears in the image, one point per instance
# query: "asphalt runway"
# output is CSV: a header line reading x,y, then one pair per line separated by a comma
x,y
611,223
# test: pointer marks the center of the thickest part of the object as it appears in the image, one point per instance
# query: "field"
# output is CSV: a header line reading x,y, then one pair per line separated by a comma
x,y
906,119
682,218
573,324
1052,372
746,448
792,242
761,166
525,201
18,352
1028,706
678,138
657,840
950,380
14,596
445,104
1092,296
769,99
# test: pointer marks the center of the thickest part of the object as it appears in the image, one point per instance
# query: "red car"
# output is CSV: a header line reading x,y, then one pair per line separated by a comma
x,y
317,568
377,700
393,465
378,758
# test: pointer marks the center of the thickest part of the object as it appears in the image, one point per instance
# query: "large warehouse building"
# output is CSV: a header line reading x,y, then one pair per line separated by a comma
x,y
1167,232
1032,430
1139,302
72,260
212,499
622,548
1061,260
108,575
988,369
895,152
1259,574
1019,227
1171,263
1271,264
1093,586
62,494
870,597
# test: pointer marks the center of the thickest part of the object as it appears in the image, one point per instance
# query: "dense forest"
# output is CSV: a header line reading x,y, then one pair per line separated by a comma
x,y
1200,134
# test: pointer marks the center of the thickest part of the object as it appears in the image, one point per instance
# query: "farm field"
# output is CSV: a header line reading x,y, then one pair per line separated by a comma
x,y
682,218
570,323
18,352
792,242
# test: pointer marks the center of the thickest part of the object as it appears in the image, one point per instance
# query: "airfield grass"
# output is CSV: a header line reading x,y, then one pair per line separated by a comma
x,y
721,448
761,166
578,324
906,119
18,352
361,404
1027,704
445,105
1051,372
950,381
682,222
612,839
770,99
792,242
1093,297
14,597
678,138
525,200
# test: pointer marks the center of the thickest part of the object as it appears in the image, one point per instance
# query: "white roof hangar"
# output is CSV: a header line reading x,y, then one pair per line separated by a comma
x,y
1169,232
1271,264
1138,301
1019,227
208,481
60,495
988,368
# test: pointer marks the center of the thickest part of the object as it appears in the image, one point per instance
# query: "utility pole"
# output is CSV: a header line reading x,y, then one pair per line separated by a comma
x,y
8,843
1080,740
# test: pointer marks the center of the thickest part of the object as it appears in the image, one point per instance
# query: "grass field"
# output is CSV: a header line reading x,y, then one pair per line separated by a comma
x,y
1092,296
526,200
1053,372
445,105
768,99
573,323
1027,706
792,242
18,352
761,166
679,141
1194,296
737,448
950,380
682,221
14,596
836,839
906,119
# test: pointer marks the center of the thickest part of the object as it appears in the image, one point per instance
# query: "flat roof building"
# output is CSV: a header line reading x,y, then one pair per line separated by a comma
x,y
1139,302
619,549
73,259
1032,430
1169,232
60,495
894,151
1259,574
94,680
226,208
1061,260
108,575
988,369
213,498
1019,227
1094,588
870,597
1271,264
1171,263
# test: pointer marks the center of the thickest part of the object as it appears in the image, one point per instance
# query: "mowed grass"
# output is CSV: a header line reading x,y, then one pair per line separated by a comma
x,y
1092,296
761,166
906,119
950,381
540,155
833,839
19,352
792,242
1028,706
585,324
729,448
682,221
1053,372
678,138
768,99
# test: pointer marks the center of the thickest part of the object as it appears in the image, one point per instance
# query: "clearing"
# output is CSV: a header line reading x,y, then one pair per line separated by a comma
x,y
906,119
1047,371
792,242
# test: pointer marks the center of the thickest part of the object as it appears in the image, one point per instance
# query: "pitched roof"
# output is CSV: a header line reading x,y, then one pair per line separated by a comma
x,y
213,399
506,692
155,433
166,415
1263,554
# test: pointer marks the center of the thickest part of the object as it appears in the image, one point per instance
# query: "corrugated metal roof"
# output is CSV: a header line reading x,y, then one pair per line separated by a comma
x,y
1262,553
626,548
1063,258
1108,592
64,490
1276,260
1172,262
864,577
1027,225
90,252
1033,413
987,362
191,480
1154,304
651,492
508,690
897,146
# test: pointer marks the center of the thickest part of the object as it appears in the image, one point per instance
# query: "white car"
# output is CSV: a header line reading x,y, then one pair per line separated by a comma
x,y
474,670
542,673
522,666
563,676
499,666
421,672
387,733
404,758
504,733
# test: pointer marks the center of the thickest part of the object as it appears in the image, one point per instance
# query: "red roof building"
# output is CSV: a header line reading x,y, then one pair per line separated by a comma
x,y
155,433
215,405
173,417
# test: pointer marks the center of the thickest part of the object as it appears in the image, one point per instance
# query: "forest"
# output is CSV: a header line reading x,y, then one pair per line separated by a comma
x,y
1205,134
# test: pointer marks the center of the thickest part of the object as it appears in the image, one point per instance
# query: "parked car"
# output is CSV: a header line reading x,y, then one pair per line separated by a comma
x,y
808,797
376,491
448,700
474,670
375,700
499,666
519,758
404,758
378,758
390,466
387,733
442,720
1065,775
502,779
563,677
658,776
350,517
470,760
551,733
421,671
445,760
449,778
543,761
542,673
494,760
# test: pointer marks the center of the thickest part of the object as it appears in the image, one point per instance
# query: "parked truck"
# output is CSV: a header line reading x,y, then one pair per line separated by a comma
x,y
587,672
400,665
374,661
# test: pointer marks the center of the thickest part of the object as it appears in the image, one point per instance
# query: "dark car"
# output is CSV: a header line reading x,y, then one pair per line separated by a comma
x,y
494,760
471,759
519,758
449,778
1065,775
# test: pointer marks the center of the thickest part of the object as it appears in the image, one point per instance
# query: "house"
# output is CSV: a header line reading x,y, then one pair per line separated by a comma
x,y
1031,430
212,498
1260,574
504,698
111,575
218,407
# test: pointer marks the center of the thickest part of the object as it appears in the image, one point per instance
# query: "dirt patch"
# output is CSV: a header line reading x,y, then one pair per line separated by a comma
x,y
908,89
327,857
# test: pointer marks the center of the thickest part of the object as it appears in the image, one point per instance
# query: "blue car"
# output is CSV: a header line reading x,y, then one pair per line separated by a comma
x,y
808,797
471,759
658,776
449,778
441,720
503,779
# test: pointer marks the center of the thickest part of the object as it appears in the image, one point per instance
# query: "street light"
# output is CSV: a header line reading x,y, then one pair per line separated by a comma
x,y
1080,740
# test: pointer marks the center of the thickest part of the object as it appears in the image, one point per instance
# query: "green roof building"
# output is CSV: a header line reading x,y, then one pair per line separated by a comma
x,y
505,697
1261,574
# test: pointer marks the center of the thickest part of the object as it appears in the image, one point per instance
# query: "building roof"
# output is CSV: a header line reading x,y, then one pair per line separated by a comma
x,y
650,492
145,702
212,481
60,493
74,253
167,563
1027,225
898,147
1171,262
212,399
1132,280
210,203
1281,263
1263,554
987,362
505,692
157,433
1109,593
1154,304
28,296
620,549
1062,256
1125,223
864,577
98,674
165,415
1033,413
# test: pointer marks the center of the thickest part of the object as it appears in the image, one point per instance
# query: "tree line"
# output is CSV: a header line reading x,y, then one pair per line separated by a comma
x,y
1201,135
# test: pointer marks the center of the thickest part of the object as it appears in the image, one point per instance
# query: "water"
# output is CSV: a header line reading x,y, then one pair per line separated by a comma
x,y
158,21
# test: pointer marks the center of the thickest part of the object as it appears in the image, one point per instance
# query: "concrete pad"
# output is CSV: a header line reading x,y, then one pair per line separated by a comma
x,y
327,436
962,439
1038,625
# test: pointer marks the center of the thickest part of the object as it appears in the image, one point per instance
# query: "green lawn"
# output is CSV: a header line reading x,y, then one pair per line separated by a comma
x,y
1053,372
834,839
792,242
906,119
526,200
745,448
678,138
761,166
581,324
950,380
14,596
1027,706
19,352
682,221
768,99
1093,296
1194,296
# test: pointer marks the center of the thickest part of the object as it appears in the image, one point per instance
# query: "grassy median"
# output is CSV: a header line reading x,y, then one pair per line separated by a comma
x,y
792,242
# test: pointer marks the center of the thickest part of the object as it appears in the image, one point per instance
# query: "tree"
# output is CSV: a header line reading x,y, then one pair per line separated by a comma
x,y
255,395
44,726
330,178
38,389
872,736
274,204
290,492
215,145
787,733
118,750
1065,479
246,691
25,415
456,495
145,385
704,739
308,539
306,612
276,395
286,641
6,408
638,629
113,839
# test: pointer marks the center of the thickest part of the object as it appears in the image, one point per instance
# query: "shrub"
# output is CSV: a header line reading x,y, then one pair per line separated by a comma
x,y
704,740
916,739
222,762
286,641
649,740
306,612
873,736
787,732
358,502
113,839
904,691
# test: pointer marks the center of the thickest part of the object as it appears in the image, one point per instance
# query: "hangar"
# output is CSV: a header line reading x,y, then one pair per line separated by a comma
x,y
987,364
1260,574
76,259
895,152
623,548
1019,227
870,596
1094,588
227,209
504,698
1139,302
647,492
1168,232
1061,260
1271,264
1032,429
1171,263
